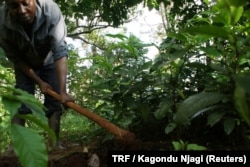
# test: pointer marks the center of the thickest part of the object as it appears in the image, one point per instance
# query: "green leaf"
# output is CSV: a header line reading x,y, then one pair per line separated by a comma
x,y
229,125
241,104
236,3
39,123
222,17
102,63
243,81
128,47
236,13
2,53
170,127
164,108
247,13
11,105
215,117
29,100
196,103
178,145
211,51
206,1
229,11
119,36
29,147
145,112
178,54
195,147
211,30
179,36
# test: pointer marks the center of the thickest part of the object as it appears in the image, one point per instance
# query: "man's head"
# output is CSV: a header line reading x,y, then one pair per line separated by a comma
x,y
23,10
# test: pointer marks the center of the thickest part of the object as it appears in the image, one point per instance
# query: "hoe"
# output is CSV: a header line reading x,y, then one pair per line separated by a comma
x,y
120,134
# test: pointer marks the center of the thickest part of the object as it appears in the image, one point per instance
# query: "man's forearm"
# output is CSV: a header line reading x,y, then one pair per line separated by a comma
x,y
62,70
29,72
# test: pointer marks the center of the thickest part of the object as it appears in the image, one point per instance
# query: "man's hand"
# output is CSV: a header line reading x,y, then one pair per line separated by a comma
x,y
44,86
66,98
30,73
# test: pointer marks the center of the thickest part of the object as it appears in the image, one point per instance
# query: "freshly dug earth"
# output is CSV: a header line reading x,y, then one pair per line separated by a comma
x,y
70,156
75,156
95,153
85,155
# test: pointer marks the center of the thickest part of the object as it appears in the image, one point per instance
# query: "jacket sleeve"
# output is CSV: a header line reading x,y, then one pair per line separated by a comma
x,y
57,34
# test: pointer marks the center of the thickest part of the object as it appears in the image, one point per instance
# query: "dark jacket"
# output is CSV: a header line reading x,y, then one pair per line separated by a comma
x,y
47,41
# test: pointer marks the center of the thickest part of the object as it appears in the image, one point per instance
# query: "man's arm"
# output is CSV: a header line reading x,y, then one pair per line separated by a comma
x,y
58,47
30,73
62,70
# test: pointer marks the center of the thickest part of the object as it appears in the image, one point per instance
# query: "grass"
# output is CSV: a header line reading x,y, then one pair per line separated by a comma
x,y
76,127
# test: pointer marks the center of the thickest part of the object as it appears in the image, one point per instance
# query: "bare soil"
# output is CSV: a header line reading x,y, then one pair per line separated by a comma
x,y
79,155
95,153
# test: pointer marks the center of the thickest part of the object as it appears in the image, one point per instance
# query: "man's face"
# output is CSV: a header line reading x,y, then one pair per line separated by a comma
x,y
23,10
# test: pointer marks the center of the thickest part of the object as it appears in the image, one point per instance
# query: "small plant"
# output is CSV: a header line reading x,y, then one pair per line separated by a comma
x,y
185,146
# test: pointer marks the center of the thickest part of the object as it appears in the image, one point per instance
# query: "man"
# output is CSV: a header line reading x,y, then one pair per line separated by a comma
x,y
32,33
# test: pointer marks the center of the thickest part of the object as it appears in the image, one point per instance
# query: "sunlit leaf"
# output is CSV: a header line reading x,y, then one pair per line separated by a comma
x,y
178,145
223,17
129,48
41,124
11,105
213,31
118,36
236,13
179,36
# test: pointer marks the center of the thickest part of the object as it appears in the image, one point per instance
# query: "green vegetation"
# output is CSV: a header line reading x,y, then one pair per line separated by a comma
x,y
77,129
185,146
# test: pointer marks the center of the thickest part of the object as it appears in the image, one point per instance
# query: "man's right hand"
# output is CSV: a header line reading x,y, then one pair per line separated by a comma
x,y
30,73
44,86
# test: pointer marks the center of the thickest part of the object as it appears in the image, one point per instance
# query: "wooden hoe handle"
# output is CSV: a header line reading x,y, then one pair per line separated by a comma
x,y
118,132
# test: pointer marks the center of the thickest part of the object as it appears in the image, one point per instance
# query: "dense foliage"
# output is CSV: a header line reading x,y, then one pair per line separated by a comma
x,y
199,77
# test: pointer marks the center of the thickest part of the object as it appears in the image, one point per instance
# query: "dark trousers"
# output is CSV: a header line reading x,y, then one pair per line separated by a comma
x,y
47,74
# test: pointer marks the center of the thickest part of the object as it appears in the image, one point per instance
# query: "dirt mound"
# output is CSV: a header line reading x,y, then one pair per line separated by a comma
x,y
77,156
92,155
